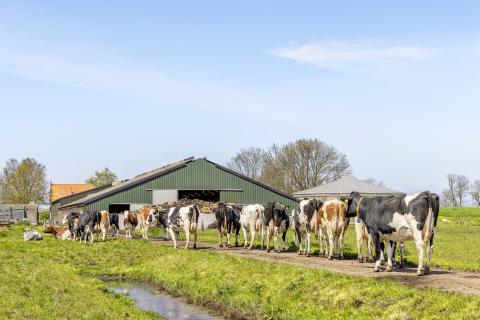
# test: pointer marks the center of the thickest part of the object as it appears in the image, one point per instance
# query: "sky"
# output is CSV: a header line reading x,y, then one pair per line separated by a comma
x,y
134,85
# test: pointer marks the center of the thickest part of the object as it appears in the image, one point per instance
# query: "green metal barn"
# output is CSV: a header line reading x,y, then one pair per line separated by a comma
x,y
188,178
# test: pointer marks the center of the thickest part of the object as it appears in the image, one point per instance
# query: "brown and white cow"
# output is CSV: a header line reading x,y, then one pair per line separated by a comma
x,y
104,223
143,220
130,222
334,223
59,232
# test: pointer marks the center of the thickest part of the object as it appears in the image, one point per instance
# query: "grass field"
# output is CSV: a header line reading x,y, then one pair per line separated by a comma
x,y
457,237
54,279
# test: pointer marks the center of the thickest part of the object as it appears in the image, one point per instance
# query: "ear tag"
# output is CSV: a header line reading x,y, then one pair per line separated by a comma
x,y
359,220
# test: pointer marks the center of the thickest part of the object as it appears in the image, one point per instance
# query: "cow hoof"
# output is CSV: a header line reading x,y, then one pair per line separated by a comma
x,y
245,247
330,258
360,260
401,266
388,269
420,273
308,254
299,253
376,270
221,245
194,246
268,250
250,248
236,245
340,258
229,246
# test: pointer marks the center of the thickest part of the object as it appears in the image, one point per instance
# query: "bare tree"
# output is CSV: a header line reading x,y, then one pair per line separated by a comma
x,y
303,164
102,178
23,182
249,162
456,193
375,182
475,192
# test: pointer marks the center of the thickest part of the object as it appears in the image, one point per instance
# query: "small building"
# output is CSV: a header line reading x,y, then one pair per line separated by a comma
x,y
343,187
10,213
62,190
189,178
56,215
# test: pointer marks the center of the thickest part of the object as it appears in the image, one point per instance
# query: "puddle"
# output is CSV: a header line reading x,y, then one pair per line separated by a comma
x,y
164,305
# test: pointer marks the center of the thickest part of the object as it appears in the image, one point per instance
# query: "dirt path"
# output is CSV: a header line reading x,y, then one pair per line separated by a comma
x,y
444,280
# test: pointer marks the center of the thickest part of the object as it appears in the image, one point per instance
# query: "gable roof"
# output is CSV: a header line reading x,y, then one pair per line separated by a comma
x,y
79,195
130,183
345,185
61,190
161,171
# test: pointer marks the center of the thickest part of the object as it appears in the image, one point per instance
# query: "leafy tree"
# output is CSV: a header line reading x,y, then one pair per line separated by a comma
x,y
102,178
23,182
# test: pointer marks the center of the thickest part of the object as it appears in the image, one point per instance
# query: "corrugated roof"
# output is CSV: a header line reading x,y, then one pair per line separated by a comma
x,y
345,185
60,190
129,183
160,171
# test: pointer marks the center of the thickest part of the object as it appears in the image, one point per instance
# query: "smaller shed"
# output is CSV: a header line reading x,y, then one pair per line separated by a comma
x,y
343,187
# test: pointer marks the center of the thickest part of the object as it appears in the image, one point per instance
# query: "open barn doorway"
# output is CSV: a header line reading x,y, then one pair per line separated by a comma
x,y
205,195
118,208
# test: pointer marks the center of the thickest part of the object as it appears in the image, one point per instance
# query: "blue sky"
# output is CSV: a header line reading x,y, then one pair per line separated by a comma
x,y
135,85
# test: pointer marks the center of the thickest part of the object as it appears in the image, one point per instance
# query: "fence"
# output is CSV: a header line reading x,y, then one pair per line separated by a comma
x,y
16,212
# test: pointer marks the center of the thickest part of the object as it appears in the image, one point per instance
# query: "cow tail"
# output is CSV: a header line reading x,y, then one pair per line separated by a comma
x,y
430,217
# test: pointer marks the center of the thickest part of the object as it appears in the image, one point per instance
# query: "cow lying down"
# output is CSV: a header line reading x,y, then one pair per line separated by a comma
x,y
58,232
31,235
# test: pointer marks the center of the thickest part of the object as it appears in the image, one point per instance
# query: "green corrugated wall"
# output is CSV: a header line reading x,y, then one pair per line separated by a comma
x,y
198,174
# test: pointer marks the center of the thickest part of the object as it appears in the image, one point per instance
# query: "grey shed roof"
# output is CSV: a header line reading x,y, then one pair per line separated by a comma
x,y
132,182
345,185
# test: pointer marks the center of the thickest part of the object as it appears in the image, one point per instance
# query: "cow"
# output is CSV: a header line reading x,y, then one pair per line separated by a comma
x,y
59,232
31,235
304,220
161,217
362,235
143,216
130,222
251,219
71,220
183,219
398,218
87,222
114,224
228,218
104,223
333,222
276,221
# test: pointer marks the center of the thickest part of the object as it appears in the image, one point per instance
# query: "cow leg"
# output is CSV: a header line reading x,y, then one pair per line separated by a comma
x,y
146,232
187,233
284,238
237,231
252,238
307,244
331,240
298,234
268,232
378,250
245,243
275,238
382,251
104,232
220,244
390,248
429,253
229,229
402,253
174,239
340,242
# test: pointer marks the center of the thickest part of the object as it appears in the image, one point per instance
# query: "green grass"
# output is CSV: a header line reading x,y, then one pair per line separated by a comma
x,y
456,241
54,279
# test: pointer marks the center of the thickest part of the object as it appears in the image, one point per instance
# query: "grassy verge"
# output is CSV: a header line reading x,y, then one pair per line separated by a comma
x,y
457,237
52,279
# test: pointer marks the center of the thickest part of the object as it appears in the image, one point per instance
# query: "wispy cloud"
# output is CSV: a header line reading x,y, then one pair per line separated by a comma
x,y
350,54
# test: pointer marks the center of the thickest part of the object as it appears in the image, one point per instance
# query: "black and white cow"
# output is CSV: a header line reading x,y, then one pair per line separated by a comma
x,y
86,224
398,218
183,219
304,221
115,224
276,220
71,220
251,219
228,219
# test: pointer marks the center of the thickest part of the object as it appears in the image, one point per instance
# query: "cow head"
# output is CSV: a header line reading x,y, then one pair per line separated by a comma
x,y
351,201
48,229
152,216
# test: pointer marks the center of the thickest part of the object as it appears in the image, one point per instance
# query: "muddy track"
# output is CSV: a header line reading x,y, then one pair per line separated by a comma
x,y
443,280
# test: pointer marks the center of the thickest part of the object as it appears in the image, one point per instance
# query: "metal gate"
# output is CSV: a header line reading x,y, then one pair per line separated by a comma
x,y
12,212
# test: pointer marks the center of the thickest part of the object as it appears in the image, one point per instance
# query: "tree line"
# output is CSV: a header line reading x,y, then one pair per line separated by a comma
x,y
459,190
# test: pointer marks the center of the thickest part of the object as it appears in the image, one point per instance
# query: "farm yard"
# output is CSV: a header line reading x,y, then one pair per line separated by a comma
x,y
62,279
